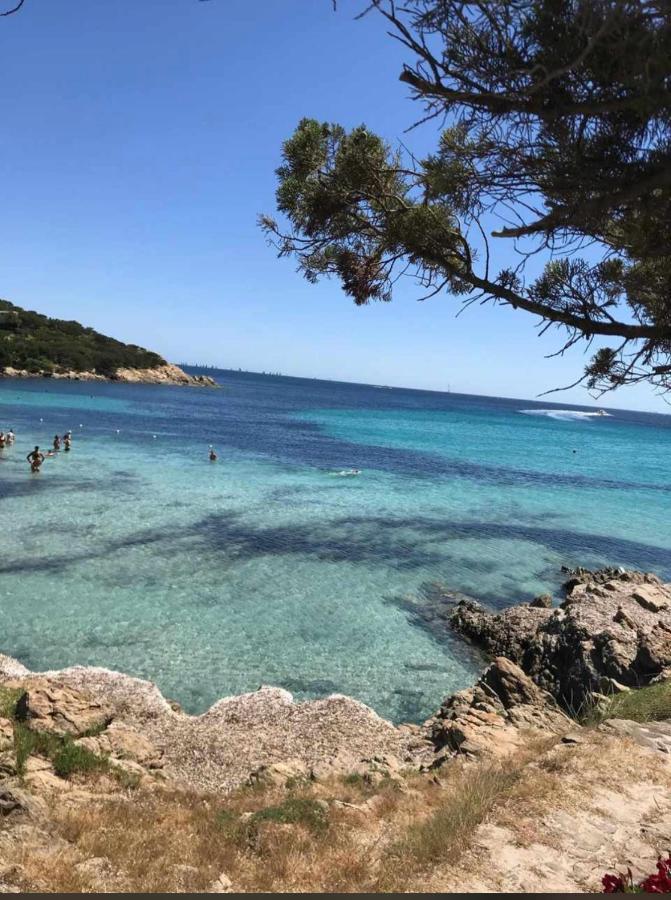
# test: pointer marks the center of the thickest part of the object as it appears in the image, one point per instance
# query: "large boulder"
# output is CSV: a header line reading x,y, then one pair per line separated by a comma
x,y
494,717
613,629
49,705
124,742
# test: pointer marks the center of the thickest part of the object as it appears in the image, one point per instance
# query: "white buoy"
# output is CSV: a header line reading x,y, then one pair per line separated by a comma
x,y
41,420
154,435
118,430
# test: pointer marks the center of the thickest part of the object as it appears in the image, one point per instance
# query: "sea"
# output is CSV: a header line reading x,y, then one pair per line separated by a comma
x,y
315,552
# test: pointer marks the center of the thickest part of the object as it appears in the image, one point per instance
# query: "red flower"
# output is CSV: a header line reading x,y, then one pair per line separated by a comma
x,y
612,884
658,883
661,882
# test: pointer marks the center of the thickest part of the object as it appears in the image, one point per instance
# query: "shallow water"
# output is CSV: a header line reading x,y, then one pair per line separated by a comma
x,y
136,553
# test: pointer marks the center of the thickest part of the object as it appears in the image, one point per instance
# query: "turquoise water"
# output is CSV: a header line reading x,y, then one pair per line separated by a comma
x,y
134,552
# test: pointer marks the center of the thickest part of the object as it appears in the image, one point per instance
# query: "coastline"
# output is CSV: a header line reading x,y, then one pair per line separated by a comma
x,y
504,784
613,625
168,374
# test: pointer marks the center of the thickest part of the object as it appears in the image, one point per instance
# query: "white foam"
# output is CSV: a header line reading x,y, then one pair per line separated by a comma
x,y
569,414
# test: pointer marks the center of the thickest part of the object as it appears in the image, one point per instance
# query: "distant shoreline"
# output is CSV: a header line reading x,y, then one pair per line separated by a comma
x,y
167,374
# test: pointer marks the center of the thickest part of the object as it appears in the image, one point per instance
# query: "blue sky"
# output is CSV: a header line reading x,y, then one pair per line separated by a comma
x,y
138,145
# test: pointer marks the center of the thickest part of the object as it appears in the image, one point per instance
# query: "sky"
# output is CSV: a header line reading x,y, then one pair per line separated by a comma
x,y
138,146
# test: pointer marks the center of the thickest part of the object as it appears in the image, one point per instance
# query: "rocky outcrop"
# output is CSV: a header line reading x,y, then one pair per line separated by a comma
x,y
128,719
613,629
167,374
510,633
495,716
46,705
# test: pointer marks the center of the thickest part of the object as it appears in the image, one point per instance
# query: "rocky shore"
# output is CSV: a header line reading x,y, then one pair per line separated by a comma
x,y
612,632
167,374
609,634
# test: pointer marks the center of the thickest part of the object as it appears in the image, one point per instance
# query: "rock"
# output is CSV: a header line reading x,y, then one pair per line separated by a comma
x,y
489,718
511,686
125,743
222,885
652,598
220,748
507,634
609,686
410,728
9,803
544,601
613,625
280,774
653,735
11,668
15,800
48,705
164,374
7,764
6,735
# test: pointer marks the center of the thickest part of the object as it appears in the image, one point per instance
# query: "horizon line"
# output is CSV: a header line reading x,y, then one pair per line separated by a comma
x,y
398,387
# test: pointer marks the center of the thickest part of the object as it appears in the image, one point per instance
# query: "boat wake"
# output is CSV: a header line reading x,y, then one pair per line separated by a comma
x,y
567,414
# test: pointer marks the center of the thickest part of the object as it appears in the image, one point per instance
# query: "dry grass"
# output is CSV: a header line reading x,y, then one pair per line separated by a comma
x,y
472,795
344,835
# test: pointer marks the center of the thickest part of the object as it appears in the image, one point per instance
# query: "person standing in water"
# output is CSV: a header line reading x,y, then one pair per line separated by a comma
x,y
10,437
35,458
67,440
57,442
213,454
3,440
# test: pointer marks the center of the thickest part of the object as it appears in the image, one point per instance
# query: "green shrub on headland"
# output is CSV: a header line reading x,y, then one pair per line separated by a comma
x,y
31,341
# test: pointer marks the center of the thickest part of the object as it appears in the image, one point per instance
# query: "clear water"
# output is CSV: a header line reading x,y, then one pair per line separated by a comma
x,y
134,552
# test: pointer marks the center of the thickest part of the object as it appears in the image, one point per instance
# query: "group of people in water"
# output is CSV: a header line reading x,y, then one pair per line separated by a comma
x,y
36,457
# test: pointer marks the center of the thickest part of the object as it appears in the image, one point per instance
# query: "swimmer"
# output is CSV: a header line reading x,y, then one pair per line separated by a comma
x,y
35,458
67,441
3,440
213,454
10,437
57,442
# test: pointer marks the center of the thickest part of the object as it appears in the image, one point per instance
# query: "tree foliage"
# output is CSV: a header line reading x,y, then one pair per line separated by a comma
x,y
29,340
555,136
